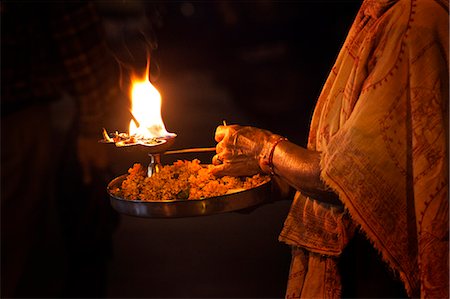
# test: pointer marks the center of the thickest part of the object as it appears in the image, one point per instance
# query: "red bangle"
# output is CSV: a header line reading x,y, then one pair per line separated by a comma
x,y
272,150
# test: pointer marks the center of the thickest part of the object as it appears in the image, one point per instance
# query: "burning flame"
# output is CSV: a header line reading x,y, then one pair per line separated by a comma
x,y
146,110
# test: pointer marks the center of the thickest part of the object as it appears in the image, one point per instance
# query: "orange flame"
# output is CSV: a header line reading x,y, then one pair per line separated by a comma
x,y
146,110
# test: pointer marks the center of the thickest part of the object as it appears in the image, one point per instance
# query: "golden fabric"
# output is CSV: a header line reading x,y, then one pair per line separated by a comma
x,y
381,123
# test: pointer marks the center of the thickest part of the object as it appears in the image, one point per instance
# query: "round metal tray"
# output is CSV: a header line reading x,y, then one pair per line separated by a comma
x,y
188,208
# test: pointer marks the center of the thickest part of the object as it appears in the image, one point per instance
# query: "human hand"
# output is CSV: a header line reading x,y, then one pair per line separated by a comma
x,y
92,156
241,151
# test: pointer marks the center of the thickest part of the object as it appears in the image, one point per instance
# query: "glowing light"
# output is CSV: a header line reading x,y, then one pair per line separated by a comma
x,y
146,110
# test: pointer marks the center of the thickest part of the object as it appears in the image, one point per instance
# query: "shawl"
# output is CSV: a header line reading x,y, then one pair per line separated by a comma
x,y
381,123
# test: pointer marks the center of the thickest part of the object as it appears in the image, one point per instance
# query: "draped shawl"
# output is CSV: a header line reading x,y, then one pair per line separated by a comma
x,y
381,123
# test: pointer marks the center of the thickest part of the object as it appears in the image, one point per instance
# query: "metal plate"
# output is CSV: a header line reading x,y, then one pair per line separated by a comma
x,y
188,208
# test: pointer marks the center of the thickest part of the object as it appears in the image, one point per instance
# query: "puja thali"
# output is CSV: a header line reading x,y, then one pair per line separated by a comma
x,y
234,201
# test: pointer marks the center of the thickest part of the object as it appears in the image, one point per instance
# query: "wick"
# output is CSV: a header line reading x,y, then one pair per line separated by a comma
x,y
134,119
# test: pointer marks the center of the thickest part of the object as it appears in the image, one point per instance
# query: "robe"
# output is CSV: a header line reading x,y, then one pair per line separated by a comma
x,y
381,125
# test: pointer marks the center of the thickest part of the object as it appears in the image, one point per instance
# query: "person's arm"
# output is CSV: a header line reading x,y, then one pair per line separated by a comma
x,y
247,150
300,168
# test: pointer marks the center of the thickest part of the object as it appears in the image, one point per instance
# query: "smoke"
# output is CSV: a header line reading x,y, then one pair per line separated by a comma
x,y
131,37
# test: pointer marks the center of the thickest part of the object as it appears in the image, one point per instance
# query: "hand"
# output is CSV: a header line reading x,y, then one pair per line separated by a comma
x,y
241,150
92,156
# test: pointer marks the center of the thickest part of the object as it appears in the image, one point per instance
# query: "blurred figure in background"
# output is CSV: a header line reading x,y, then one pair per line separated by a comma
x,y
377,155
58,79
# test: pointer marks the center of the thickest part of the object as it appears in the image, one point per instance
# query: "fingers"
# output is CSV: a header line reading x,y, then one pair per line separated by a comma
x,y
233,169
228,160
222,136
224,156
223,131
223,170
220,147
216,160
236,167
220,133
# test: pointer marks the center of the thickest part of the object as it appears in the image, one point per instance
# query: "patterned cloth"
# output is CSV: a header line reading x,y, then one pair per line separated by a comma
x,y
54,47
381,123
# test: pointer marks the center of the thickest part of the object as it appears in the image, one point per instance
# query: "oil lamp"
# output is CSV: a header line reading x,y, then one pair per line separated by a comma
x,y
146,127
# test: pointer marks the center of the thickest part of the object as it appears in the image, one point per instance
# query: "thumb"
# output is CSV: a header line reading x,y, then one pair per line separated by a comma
x,y
220,133
218,170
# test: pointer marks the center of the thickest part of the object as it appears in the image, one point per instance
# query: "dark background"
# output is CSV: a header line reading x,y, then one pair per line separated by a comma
x,y
258,63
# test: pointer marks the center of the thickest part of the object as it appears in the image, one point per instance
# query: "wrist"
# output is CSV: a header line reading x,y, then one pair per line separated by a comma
x,y
266,159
